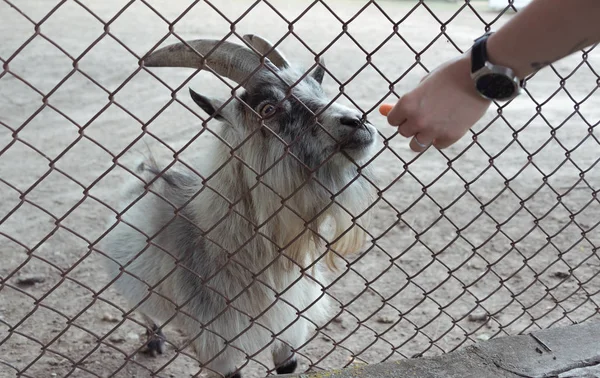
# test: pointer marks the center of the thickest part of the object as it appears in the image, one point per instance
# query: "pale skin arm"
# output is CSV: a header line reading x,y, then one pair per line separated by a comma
x,y
445,105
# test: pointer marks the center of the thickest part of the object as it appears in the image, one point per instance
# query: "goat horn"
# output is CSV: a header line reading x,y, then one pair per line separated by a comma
x,y
225,58
266,48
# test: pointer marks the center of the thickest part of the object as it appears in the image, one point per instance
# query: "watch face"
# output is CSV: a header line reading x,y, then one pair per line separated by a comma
x,y
495,86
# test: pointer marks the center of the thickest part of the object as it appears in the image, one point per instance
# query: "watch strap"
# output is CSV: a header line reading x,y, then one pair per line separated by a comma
x,y
479,53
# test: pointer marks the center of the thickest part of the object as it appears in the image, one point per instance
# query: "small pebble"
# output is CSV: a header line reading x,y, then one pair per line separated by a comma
x,y
561,275
109,318
483,337
338,320
133,336
30,279
116,339
478,317
385,319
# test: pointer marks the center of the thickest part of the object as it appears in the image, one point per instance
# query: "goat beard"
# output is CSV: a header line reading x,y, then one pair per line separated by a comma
x,y
337,232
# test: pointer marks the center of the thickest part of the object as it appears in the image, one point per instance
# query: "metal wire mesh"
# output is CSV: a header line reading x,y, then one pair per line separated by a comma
x,y
496,235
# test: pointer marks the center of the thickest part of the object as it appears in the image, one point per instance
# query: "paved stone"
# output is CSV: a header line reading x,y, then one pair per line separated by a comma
x,y
560,352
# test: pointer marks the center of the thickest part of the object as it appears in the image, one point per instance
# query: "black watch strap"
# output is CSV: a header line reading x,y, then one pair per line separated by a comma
x,y
479,53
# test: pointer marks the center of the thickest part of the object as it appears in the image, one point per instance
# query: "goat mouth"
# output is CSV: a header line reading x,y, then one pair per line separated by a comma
x,y
357,140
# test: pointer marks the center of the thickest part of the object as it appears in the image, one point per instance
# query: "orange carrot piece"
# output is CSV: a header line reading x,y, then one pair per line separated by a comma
x,y
384,109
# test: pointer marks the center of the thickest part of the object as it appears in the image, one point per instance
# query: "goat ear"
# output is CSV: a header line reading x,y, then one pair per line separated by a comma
x,y
208,105
319,71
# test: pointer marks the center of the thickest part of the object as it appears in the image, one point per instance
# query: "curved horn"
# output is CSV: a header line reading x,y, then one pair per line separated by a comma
x,y
227,59
266,48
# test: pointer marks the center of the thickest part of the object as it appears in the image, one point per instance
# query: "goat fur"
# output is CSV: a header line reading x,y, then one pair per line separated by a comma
x,y
239,261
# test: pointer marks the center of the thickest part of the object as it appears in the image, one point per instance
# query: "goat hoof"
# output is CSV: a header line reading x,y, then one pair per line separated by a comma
x,y
288,368
156,342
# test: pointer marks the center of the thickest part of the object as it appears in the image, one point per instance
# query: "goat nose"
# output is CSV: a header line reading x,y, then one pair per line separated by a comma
x,y
351,121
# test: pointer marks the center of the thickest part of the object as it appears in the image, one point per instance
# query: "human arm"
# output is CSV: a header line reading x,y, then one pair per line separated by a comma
x,y
445,105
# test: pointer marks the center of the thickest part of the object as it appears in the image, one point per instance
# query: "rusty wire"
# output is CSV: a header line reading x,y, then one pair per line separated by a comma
x,y
570,306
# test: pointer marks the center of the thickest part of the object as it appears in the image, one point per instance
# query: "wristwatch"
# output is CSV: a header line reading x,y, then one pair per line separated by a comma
x,y
492,81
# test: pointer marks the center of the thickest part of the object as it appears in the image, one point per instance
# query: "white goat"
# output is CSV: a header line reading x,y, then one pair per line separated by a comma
x,y
234,260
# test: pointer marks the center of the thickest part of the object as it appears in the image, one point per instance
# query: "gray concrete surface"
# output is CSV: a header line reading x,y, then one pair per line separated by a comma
x,y
561,352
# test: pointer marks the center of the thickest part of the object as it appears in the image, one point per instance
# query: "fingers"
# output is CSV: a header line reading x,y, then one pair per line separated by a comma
x,y
440,110
420,142
385,110
401,116
397,115
408,129
446,141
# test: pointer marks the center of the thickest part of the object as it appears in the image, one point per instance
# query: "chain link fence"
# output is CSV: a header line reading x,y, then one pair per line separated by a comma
x,y
139,236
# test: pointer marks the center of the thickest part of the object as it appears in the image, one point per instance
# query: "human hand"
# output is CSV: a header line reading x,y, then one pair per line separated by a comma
x,y
441,109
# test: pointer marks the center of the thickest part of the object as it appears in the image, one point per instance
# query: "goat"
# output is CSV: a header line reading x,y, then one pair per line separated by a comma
x,y
239,260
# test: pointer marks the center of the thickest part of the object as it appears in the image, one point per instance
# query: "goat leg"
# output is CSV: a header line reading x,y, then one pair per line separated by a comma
x,y
155,343
284,359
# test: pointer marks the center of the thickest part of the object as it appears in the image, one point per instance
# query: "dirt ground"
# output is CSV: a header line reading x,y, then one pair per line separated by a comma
x,y
505,225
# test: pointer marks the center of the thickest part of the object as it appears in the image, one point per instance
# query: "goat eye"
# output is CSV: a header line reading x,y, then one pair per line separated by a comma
x,y
267,110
